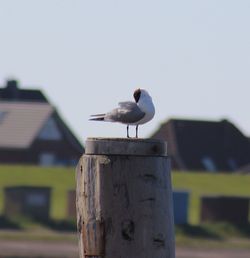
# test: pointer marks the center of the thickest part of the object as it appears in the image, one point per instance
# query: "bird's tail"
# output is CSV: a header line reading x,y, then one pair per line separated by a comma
x,y
97,117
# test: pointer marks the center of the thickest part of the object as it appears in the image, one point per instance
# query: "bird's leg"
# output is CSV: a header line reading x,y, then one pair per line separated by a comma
x,y
127,131
136,129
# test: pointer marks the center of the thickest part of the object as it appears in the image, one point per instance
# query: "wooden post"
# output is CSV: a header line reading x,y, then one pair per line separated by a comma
x,y
124,199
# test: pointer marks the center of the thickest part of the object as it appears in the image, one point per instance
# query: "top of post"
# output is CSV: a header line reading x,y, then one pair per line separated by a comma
x,y
125,146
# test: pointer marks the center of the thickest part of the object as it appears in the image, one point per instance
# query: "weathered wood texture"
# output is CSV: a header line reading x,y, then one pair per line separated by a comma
x,y
124,204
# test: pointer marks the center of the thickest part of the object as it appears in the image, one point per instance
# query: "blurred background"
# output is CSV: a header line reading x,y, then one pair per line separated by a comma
x,y
62,61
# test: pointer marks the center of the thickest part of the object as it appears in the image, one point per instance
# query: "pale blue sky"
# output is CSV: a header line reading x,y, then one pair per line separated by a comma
x,y
192,56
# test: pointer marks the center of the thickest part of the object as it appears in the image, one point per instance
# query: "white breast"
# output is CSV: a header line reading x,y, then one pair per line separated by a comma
x,y
146,105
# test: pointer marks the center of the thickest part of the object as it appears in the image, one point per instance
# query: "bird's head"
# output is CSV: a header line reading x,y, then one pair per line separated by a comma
x,y
138,93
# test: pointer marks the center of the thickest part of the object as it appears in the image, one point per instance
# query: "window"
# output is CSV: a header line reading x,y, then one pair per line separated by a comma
x,y
36,199
47,159
208,164
232,164
50,131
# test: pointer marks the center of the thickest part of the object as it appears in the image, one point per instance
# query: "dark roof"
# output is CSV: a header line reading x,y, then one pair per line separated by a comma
x,y
12,93
209,145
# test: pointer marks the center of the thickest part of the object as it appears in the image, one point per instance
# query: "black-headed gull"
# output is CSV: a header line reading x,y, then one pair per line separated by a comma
x,y
130,113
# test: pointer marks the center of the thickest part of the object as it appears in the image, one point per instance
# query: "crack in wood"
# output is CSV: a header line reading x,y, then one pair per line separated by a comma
x,y
159,241
149,177
128,230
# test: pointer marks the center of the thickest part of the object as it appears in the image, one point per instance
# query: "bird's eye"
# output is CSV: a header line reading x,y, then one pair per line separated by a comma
x,y
137,95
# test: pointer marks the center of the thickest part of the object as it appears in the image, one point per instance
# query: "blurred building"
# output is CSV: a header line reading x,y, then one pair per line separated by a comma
x,y
28,201
233,209
181,204
12,93
245,169
204,145
71,203
32,131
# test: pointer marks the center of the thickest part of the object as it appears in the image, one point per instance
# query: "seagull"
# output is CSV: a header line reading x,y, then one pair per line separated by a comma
x,y
135,113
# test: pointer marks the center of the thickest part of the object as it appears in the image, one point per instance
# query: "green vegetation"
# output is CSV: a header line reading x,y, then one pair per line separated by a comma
x,y
209,184
63,179
215,235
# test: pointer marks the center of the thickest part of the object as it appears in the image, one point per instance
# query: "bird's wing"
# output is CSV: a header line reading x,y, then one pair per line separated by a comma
x,y
127,112
127,104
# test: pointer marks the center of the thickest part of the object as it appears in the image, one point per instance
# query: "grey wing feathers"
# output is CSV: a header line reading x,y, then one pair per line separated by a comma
x,y
127,112
127,104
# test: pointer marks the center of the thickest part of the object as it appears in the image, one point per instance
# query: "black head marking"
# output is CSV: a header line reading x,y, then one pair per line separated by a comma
x,y
137,95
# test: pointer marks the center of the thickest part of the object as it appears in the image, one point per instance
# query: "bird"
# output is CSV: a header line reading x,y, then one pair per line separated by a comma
x,y
137,112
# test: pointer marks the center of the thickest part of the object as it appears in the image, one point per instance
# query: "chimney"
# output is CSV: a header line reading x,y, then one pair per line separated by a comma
x,y
12,89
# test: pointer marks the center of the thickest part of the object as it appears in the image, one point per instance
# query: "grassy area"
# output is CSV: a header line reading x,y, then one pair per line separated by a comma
x,y
63,179
209,184
215,235
38,235
60,179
